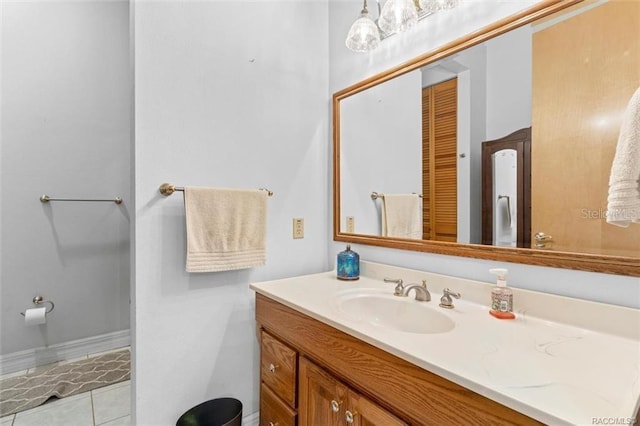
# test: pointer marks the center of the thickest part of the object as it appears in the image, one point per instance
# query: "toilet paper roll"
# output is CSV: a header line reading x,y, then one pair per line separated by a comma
x,y
35,316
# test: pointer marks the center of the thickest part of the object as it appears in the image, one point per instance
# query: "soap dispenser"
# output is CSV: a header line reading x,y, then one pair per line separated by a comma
x,y
501,296
348,265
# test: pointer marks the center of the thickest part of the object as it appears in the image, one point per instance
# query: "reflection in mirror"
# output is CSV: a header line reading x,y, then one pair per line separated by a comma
x,y
422,127
381,149
423,131
576,121
506,190
505,172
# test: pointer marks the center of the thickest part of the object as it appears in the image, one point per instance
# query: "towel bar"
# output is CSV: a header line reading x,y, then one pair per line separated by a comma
x,y
375,195
167,189
46,199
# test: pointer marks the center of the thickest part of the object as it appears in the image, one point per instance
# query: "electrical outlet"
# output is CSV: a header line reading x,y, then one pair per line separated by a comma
x,y
298,227
351,226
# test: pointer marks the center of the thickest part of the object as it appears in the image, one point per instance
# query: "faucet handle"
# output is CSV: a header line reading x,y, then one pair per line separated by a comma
x,y
399,286
445,300
448,293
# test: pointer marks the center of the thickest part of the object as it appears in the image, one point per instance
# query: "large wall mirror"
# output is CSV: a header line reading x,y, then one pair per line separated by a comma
x,y
498,145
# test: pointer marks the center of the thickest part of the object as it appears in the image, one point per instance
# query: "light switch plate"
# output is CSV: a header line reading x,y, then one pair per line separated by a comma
x,y
351,226
298,227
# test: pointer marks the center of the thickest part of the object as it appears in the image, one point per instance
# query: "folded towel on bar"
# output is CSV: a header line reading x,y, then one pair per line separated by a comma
x,y
401,216
623,202
226,228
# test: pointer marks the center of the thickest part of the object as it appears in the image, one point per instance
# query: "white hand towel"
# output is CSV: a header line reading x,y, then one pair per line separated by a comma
x,y
623,205
401,216
226,228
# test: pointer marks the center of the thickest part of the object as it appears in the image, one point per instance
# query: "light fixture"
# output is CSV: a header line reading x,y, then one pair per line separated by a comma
x,y
363,34
396,16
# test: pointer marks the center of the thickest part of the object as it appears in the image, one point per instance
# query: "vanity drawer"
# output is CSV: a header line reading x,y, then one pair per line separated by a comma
x,y
278,367
274,412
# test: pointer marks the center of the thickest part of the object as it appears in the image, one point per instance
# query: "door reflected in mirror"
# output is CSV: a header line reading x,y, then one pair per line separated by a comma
x,y
506,190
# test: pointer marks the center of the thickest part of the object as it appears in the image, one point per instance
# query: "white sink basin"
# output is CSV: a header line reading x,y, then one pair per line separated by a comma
x,y
394,312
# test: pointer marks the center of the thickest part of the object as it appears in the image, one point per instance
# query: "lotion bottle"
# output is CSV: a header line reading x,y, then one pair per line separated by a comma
x,y
501,296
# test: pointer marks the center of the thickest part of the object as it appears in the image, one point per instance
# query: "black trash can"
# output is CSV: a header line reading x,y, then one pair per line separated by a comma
x,y
216,412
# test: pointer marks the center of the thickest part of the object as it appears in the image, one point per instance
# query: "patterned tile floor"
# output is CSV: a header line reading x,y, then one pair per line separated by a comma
x,y
107,406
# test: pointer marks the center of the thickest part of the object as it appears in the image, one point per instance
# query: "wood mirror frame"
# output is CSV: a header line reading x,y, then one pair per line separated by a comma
x,y
620,265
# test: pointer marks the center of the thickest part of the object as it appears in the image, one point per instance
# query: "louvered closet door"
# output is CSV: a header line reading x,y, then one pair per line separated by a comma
x,y
439,170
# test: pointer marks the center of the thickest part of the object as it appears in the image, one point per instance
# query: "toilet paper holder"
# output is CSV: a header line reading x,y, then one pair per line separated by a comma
x,y
39,300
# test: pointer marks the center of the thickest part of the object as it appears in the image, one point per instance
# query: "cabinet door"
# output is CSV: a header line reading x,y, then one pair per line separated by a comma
x,y
363,412
321,398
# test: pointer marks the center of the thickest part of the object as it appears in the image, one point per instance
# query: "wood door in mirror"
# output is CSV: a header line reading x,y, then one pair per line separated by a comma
x,y
439,161
506,190
576,122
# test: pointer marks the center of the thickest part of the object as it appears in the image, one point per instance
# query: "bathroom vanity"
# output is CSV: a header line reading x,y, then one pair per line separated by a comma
x,y
336,353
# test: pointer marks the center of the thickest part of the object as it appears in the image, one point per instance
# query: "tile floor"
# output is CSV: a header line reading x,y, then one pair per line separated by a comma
x,y
107,406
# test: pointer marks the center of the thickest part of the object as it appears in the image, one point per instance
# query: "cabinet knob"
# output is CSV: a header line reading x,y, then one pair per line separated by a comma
x,y
349,416
335,406
272,368
273,424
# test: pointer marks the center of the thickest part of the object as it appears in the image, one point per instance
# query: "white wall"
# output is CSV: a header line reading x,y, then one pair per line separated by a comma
x,y
509,82
470,167
66,97
348,67
228,94
465,120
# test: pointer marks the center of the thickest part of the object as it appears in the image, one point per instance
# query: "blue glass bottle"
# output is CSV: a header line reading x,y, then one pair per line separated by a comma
x,y
348,264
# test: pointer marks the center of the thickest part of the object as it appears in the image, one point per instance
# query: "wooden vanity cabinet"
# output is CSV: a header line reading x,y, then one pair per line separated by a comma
x,y
326,401
378,387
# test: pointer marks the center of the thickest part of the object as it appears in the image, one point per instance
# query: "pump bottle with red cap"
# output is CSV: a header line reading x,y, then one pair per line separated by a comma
x,y
501,296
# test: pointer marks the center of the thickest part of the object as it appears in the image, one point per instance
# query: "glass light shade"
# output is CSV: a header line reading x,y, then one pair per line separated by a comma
x,y
397,16
363,35
432,6
450,4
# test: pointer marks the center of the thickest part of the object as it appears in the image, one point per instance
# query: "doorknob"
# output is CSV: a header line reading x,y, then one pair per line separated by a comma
x,y
542,239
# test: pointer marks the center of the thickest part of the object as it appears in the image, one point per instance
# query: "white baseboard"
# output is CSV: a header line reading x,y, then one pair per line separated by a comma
x,y
251,420
23,360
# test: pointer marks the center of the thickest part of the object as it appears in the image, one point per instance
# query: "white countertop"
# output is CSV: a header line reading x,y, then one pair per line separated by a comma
x,y
553,372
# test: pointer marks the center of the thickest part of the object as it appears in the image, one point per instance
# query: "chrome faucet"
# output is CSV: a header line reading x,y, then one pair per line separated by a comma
x,y
422,294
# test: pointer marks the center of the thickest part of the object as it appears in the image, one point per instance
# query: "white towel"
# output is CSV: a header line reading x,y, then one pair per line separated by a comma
x,y
624,182
226,228
401,216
